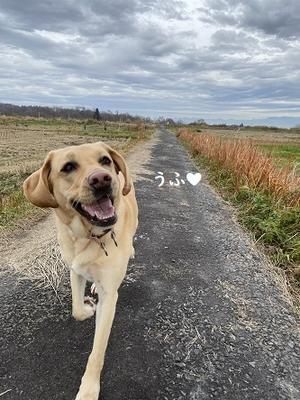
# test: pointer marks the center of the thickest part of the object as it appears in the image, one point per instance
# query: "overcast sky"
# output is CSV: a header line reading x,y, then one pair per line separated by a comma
x,y
211,59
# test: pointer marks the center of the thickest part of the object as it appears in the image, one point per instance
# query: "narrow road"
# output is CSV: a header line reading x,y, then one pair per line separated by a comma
x,y
200,315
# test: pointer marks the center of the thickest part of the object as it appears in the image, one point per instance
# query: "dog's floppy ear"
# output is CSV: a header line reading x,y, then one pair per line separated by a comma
x,y
37,188
120,165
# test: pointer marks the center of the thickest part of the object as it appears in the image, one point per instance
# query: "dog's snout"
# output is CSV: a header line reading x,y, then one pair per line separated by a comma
x,y
99,180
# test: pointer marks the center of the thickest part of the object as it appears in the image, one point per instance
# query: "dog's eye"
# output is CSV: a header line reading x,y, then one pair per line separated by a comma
x,y
105,161
69,167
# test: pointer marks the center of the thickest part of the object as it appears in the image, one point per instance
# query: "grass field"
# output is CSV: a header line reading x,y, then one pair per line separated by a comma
x,y
282,144
285,154
24,143
258,172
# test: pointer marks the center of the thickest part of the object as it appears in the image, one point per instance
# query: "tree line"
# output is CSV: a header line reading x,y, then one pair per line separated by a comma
x,y
68,113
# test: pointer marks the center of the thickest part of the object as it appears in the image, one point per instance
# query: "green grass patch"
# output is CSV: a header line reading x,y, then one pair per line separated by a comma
x,y
10,183
115,134
13,204
284,153
81,127
30,121
14,208
273,224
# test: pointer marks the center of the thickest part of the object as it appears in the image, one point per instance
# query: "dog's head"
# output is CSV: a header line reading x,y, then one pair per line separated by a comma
x,y
81,179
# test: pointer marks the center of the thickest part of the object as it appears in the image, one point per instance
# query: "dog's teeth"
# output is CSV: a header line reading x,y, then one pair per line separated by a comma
x,y
98,215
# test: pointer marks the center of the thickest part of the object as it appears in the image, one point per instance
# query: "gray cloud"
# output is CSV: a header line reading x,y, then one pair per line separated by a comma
x,y
89,18
152,57
273,17
49,15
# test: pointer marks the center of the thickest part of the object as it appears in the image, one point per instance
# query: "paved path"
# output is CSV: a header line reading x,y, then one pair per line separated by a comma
x,y
200,315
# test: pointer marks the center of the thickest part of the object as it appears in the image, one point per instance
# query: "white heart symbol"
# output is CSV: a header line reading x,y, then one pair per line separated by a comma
x,y
194,179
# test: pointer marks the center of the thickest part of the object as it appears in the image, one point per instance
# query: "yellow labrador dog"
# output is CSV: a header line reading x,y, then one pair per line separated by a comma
x,y
91,192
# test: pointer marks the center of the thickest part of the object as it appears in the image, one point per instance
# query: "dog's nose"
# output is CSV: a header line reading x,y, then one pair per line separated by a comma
x,y
99,180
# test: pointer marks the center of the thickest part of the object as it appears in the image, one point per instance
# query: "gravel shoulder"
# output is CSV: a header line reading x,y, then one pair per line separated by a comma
x,y
200,314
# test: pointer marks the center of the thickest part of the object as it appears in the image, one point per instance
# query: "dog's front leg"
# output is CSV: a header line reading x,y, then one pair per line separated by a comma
x,y
90,383
80,309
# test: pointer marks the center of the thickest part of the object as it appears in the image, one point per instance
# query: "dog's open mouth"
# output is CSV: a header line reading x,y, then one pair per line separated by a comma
x,y
101,212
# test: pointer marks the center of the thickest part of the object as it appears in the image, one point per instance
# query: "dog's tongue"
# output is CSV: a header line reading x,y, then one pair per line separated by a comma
x,y
103,209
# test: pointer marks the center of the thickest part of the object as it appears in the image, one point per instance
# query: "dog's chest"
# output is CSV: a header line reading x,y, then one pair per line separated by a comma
x,y
89,258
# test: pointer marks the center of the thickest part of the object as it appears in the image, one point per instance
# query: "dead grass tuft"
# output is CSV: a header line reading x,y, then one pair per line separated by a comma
x,y
44,266
250,166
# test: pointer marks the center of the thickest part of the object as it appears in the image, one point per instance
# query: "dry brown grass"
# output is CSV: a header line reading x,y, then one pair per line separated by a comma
x,y
35,255
250,166
21,148
46,269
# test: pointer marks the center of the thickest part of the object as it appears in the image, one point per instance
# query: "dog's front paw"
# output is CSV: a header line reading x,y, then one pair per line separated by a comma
x,y
87,311
88,391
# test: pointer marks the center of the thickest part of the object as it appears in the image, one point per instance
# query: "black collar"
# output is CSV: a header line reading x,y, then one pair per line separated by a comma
x,y
105,232
97,238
